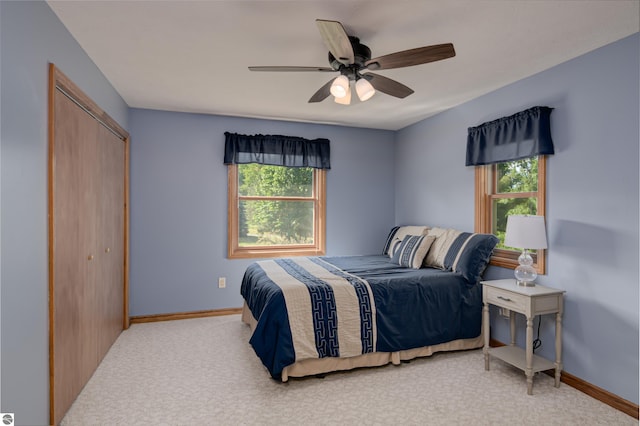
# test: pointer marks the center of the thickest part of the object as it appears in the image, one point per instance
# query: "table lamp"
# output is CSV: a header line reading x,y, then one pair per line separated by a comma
x,y
526,232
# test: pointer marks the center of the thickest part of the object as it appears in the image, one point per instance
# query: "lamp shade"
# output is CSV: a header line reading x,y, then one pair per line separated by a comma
x,y
340,86
345,100
526,232
364,89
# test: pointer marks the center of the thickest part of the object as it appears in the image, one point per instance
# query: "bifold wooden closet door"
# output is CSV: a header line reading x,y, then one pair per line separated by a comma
x,y
75,350
110,244
87,245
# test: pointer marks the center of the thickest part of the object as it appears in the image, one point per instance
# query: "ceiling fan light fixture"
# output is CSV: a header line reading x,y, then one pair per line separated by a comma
x,y
349,57
345,100
340,87
364,89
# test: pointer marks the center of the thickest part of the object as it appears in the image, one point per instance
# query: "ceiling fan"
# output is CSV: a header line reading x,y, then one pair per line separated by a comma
x,y
352,60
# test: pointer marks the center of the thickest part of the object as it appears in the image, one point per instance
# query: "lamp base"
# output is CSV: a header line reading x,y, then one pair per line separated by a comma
x,y
525,273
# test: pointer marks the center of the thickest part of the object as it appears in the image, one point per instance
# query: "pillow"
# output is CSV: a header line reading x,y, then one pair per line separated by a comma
x,y
394,246
473,255
411,251
444,239
399,232
463,252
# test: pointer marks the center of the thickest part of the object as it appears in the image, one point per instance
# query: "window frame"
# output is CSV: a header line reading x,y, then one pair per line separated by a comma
x,y
318,248
485,193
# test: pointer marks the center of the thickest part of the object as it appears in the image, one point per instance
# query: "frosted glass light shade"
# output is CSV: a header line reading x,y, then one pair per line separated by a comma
x,y
345,100
340,86
364,89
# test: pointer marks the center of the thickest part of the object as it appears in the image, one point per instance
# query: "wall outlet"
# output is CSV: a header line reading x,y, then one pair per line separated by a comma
x,y
505,312
222,282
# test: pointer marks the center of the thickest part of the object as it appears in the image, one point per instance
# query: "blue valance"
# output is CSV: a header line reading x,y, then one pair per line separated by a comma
x,y
276,150
522,135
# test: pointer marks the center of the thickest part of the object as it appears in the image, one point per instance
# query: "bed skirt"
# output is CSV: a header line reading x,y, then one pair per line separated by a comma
x,y
313,366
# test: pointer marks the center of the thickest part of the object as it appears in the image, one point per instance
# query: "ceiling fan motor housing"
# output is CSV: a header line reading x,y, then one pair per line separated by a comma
x,y
361,54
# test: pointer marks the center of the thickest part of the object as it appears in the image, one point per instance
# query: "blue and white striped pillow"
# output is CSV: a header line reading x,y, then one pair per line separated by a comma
x,y
398,233
411,251
394,246
463,252
387,245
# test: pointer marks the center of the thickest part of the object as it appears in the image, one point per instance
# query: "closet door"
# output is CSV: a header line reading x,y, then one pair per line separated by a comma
x,y
110,285
74,222
88,224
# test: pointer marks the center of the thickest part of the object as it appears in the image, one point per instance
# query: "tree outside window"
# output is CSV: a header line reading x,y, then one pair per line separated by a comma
x,y
276,205
505,189
275,211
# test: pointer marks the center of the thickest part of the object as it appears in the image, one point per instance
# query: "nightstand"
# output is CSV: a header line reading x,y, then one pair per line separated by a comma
x,y
529,301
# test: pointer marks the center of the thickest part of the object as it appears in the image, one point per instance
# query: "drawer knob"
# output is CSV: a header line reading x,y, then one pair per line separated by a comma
x,y
506,299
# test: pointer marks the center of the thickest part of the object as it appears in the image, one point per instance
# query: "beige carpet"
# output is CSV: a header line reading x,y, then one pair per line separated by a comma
x,y
203,372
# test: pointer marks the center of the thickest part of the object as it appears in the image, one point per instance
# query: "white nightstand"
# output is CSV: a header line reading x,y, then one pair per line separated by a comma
x,y
529,301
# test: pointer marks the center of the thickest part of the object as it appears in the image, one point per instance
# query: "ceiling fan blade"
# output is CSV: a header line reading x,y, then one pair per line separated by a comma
x,y
322,92
388,86
336,40
292,69
407,58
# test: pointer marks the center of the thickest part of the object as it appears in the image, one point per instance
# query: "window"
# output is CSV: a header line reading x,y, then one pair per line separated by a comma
x,y
276,211
503,189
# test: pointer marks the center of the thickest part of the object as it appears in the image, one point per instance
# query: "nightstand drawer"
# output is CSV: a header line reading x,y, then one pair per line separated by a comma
x,y
507,299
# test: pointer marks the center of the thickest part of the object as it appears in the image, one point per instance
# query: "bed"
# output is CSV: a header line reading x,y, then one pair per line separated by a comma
x,y
314,315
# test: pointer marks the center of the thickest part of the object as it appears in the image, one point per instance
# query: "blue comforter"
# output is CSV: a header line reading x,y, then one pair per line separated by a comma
x,y
413,308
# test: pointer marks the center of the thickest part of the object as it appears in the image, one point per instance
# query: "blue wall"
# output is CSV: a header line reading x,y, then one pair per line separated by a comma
x,y
592,201
31,36
178,189
179,204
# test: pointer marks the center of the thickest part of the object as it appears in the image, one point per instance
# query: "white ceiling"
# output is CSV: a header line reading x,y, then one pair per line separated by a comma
x,y
192,56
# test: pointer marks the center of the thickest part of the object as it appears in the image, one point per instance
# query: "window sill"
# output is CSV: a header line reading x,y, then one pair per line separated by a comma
x,y
249,253
509,259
